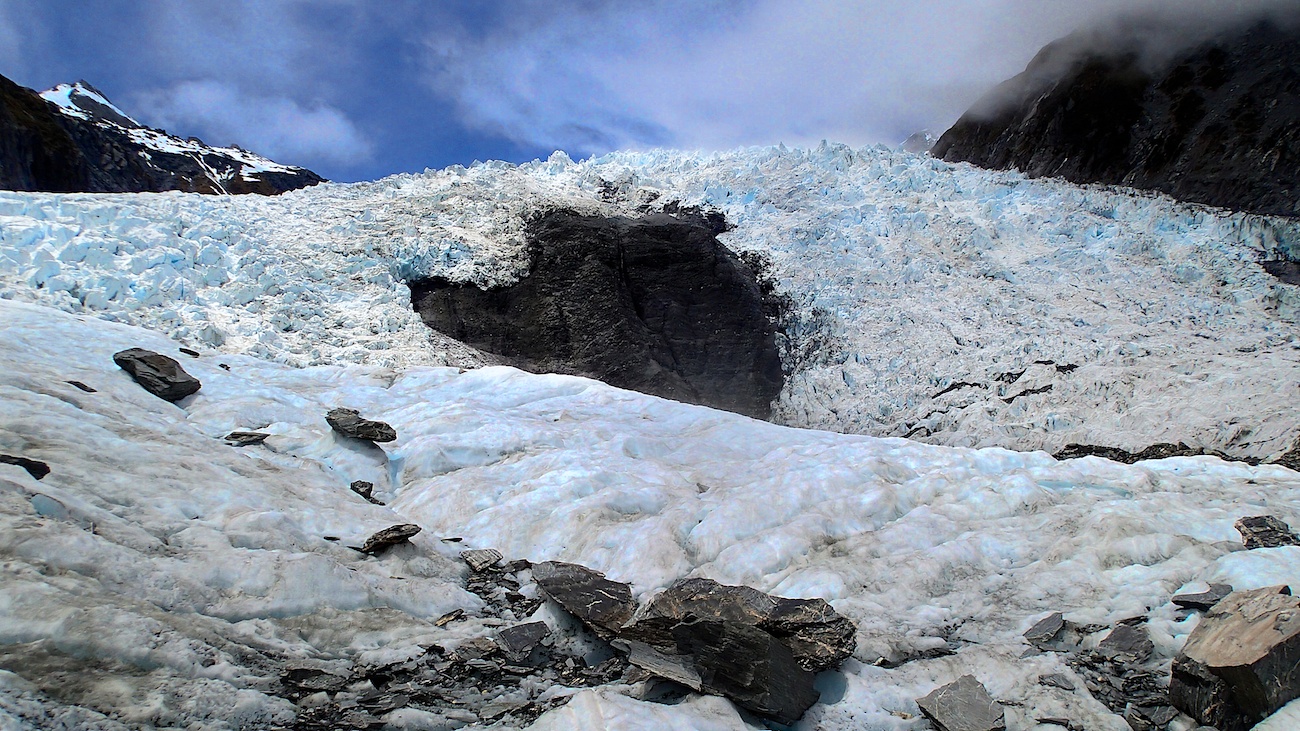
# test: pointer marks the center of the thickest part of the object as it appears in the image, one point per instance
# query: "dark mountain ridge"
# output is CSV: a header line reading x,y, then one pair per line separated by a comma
x,y
72,139
1216,122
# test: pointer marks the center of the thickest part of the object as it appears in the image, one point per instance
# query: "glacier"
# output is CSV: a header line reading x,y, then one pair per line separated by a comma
x,y
159,577
1078,314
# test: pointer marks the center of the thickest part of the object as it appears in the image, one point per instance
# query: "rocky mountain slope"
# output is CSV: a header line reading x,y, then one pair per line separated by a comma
x,y
73,139
1215,123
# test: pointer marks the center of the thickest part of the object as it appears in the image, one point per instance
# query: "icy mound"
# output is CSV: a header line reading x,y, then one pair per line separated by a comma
x,y
961,306
175,573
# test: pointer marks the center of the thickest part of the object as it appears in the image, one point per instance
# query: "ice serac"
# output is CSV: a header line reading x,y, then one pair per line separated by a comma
x,y
655,304
1217,123
73,139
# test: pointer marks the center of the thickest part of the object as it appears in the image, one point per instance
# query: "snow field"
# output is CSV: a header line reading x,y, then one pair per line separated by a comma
x,y
1133,318
167,569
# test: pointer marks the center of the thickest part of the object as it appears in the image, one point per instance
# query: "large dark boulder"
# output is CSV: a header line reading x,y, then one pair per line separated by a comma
x,y
654,304
1242,662
157,374
90,147
1217,122
817,636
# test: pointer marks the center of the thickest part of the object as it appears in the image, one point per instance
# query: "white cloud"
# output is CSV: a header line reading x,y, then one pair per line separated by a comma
x,y
277,127
593,76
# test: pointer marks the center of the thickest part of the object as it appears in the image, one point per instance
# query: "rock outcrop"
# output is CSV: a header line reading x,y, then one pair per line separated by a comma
x,y
1216,123
655,304
157,374
72,139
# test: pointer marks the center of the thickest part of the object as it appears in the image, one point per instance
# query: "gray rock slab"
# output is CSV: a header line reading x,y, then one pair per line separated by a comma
x,y
349,423
157,374
1266,531
389,537
601,604
964,705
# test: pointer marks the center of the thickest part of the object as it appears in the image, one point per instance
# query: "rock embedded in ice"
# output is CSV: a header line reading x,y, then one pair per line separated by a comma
x,y
157,374
1239,664
1203,600
37,469
603,605
1056,680
349,423
389,537
1265,531
480,559
654,304
817,636
366,490
245,438
82,386
963,705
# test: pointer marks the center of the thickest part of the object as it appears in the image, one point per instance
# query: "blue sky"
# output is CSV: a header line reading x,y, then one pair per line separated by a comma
x,y
358,89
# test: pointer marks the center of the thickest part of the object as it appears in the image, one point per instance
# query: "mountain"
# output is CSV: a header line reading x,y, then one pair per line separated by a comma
x,y
73,139
1215,123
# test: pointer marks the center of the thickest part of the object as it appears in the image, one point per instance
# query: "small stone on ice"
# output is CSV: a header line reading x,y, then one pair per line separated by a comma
x,y
245,438
1046,629
349,423
1205,599
157,374
1265,531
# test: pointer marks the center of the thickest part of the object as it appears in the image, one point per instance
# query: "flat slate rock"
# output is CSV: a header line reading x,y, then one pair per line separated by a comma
x,y
1128,644
601,604
480,559
1045,630
964,705
389,537
349,423
1265,531
246,438
1240,663
82,386
519,640
817,636
1203,600
157,374
37,469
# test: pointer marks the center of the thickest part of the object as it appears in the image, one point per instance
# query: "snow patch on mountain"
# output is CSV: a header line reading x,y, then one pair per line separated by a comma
x,y
957,305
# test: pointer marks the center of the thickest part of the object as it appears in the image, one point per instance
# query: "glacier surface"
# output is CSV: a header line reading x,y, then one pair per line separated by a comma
x,y
937,301
171,574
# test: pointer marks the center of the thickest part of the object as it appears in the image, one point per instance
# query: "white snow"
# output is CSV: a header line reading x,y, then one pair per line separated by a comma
x,y
909,276
171,562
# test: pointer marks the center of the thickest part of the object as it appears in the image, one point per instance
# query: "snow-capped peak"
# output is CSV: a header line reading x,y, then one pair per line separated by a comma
x,y
83,101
